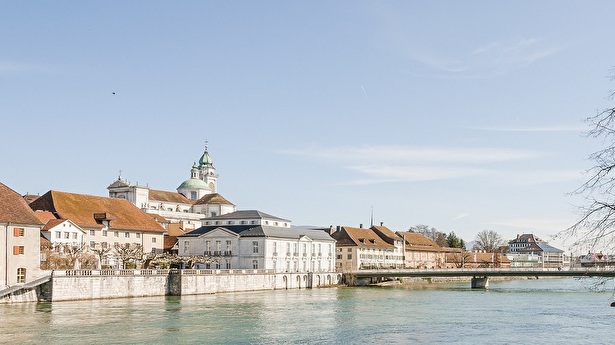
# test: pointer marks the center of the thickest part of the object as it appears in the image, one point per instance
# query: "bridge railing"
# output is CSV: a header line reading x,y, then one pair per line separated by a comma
x,y
583,270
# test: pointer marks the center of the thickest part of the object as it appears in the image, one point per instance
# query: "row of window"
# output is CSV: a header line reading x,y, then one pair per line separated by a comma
x,y
115,234
67,235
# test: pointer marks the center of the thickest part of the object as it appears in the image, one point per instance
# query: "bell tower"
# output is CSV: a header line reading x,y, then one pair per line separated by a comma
x,y
207,171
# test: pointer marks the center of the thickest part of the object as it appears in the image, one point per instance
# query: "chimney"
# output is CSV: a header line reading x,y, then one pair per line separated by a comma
x,y
361,226
381,223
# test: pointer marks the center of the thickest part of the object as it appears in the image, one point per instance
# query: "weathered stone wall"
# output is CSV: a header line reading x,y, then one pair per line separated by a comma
x,y
77,287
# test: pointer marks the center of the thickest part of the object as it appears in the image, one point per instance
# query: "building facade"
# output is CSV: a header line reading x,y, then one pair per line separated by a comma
x,y
252,239
107,222
361,248
19,239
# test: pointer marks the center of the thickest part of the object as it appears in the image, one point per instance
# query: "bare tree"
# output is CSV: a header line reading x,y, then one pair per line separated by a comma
x,y
128,253
596,224
431,233
101,252
488,240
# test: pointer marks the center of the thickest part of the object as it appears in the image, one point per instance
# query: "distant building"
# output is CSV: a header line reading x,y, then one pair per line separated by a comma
x,y
252,239
360,248
422,252
522,241
196,198
527,250
19,239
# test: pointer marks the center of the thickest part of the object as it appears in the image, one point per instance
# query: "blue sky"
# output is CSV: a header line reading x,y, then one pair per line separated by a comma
x,y
464,116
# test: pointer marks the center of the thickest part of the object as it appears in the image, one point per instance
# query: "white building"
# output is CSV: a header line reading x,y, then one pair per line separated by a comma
x,y
256,240
196,198
61,231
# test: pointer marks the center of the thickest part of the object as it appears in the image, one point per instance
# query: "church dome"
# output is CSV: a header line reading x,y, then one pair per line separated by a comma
x,y
193,183
205,159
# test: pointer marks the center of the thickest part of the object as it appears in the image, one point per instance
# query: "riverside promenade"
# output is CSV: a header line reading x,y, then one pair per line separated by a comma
x,y
480,276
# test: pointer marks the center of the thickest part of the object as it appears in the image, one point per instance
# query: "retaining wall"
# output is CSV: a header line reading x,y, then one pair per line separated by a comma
x,y
97,284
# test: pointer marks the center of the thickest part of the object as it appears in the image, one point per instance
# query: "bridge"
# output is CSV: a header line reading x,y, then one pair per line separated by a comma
x,y
480,276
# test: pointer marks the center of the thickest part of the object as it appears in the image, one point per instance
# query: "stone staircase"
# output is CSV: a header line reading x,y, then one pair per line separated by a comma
x,y
35,290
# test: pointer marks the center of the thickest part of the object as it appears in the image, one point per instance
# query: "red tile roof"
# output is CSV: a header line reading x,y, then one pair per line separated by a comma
x,y
14,209
81,208
213,198
161,195
418,242
364,238
44,216
386,234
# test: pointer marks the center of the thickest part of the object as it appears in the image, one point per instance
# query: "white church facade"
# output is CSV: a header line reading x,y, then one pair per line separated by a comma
x,y
195,199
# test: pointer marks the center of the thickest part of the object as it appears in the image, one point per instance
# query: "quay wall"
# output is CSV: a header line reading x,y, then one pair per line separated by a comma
x,y
69,285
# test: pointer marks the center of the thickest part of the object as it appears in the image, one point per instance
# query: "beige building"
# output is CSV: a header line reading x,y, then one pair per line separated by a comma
x,y
19,239
422,252
360,248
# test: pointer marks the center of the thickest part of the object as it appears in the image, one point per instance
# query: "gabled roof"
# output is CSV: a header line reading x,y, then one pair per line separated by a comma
x,y
416,242
213,198
14,209
246,214
386,234
161,195
44,216
360,237
80,209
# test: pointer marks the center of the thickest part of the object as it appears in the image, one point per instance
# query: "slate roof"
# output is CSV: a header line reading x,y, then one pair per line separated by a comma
x,y
80,209
213,198
360,237
14,209
540,247
161,195
207,228
246,214
286,233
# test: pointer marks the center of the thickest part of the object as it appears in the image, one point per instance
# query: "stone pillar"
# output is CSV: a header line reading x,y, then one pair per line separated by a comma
x,y
480,282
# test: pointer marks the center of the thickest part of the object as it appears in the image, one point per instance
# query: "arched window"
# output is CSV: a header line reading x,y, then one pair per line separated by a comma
x,y
255,264
21,275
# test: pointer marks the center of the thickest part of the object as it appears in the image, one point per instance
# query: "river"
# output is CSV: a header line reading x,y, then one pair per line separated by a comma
x,y
545,311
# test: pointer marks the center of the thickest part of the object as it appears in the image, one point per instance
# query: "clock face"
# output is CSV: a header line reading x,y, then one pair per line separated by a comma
x,y
212,186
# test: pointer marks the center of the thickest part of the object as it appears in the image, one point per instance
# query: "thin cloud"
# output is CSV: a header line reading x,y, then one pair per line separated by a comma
x,y
385,174
379,154
18,67
562,128
461,216
486,61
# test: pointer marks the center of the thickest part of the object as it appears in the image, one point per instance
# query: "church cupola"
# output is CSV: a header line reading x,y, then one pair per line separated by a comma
x,y
207,171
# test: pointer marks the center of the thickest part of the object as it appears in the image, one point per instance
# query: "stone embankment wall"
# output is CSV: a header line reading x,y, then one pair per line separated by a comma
x,y
97,284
